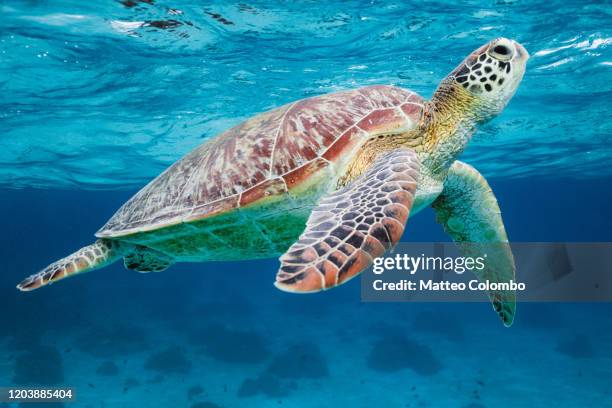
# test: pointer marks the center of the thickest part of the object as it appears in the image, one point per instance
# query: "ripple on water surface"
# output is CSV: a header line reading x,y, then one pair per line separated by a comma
x,y
107,96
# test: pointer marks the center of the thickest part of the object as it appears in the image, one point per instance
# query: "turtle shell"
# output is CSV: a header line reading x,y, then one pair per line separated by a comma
x,y
268,154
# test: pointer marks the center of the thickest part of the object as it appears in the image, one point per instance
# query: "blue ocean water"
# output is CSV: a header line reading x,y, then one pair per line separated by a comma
x,y
97,99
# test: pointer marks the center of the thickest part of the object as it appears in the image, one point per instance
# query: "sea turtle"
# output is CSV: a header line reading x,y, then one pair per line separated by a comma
x,y
327,181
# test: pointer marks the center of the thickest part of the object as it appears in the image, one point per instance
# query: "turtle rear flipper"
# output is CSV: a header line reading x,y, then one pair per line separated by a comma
x,y
142,259
101,253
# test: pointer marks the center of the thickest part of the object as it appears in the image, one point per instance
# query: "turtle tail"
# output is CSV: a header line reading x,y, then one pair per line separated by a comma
x,y
101,253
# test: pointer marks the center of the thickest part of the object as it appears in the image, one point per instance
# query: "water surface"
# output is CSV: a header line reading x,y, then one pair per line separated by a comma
x,y
105,96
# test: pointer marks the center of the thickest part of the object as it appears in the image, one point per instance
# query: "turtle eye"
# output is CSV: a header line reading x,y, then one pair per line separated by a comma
x,y
502,50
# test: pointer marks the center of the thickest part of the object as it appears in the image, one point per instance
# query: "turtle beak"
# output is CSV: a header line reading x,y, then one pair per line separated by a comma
x,y
521,52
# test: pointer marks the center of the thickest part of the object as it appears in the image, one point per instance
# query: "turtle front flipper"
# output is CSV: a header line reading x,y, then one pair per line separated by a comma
x,y
352,226
469,213
101,253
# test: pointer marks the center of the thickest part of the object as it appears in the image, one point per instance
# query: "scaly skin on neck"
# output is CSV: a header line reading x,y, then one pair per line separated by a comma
x,y
449,121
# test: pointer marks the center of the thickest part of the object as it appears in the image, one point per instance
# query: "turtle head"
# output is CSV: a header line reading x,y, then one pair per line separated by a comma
x,y
473,93
490,76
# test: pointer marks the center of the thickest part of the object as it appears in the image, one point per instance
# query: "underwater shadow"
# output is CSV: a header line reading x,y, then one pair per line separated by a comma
x,y
234,346
39,365
114,340
171,360
395,352
300,361
578,346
